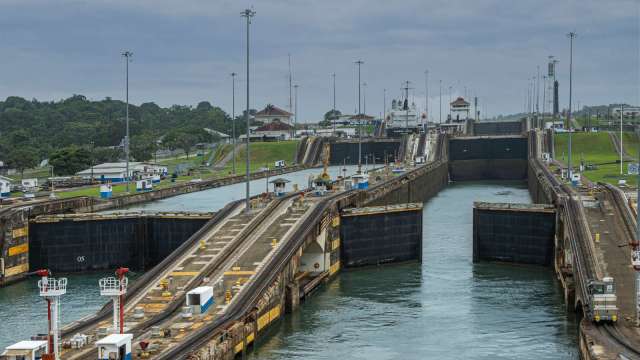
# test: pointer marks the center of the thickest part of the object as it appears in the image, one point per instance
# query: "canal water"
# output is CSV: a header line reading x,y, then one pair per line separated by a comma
x,y
444,308
216,198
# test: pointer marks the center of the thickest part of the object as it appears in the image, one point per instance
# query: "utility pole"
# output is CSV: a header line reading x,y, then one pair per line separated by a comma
x,y
233,120
571,36
127,56
335,118
248,14
359,63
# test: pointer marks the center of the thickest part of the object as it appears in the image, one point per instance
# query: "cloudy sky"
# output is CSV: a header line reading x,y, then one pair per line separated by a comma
x,y
184,51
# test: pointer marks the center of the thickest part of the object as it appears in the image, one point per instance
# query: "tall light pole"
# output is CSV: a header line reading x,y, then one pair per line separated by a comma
x,y
450,100
571,36
290,80
334,104
127,56
364,97
359,63
638,240
621,151
295,104
537,93
544,98
248,14
233,120
406,97
440,97
384,105
426,94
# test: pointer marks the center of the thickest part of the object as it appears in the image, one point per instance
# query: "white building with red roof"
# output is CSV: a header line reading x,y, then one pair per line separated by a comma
x,y
271,113
460,109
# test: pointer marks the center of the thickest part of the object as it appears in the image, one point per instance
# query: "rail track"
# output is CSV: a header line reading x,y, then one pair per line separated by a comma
x,y
246,299
151,276
630,350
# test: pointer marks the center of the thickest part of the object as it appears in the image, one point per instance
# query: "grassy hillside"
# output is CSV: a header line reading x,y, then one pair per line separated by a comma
x,y
265,154
597,149
262,154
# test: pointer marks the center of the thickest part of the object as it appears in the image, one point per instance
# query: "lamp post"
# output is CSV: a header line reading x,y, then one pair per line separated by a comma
x,y
440,97
621,151
248,14
127,56
571,36
359,63
233,120
295,102
426,95
335,117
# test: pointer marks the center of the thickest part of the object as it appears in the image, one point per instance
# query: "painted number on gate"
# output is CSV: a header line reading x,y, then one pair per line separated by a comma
x,y
80,259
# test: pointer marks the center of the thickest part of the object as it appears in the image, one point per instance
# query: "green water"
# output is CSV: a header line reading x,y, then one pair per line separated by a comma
x,y
445,308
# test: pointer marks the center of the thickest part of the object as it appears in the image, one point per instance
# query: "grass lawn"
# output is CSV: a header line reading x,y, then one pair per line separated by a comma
x,y
264,154
596,148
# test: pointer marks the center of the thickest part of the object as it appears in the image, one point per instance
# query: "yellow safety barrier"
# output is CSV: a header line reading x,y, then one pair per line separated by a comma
x,y
18,249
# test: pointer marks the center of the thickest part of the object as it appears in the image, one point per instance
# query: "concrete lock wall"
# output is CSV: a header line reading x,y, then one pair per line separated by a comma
x,y
374,236
139,243
496,158
518,233
497,128
347,152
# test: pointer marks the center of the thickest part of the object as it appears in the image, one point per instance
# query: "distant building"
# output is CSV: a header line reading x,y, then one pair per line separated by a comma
x,y
460,109
224,138
5,186
273,113
273,131
117,172
627,111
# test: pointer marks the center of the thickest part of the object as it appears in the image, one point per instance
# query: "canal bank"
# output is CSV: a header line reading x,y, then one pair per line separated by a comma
x,y
445,307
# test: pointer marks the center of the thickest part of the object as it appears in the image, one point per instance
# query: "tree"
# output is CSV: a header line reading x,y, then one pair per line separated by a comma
x,y
143,147
69,160
186,141
330,115
102,155
23,158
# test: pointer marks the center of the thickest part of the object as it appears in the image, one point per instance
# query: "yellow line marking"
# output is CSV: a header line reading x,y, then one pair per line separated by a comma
x,y
185,273
239,273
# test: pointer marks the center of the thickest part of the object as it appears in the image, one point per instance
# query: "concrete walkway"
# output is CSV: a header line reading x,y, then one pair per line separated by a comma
x,y
223,162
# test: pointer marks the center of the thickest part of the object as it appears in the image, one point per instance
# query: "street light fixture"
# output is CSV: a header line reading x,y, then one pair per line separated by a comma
x,y
359,63
248,14
233,120
571,35
127,56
